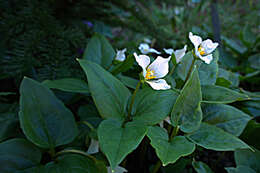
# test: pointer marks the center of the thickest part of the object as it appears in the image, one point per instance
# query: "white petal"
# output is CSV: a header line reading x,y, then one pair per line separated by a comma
x,y
207,59
209,46
147,40
180,53
168,51
195,39
151,50
160,66
144,48
118,169
167,119
120,55
143,61
159,84
93,147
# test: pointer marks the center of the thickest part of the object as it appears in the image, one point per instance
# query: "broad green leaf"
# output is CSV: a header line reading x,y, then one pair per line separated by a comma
x,y
226,117
90,114
218,94
117,142
232,78
18,154
208,72
186,111
254,61
44,119
109,94
124,66
128,81
240,169
68,84
9,123
184,66
247,37
233,45
214,138
248,158
201,167
151,107
251,134
169,152
70,163
99,51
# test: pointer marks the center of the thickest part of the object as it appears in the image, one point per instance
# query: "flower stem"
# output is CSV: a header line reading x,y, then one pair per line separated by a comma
x,y
172,70
157,167
175,131
132,101
190,70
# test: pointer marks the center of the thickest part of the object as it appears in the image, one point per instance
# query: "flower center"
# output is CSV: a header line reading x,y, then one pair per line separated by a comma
x,y
150,74
201,50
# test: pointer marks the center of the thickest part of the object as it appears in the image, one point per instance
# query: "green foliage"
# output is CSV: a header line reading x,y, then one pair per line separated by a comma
x,y
43,117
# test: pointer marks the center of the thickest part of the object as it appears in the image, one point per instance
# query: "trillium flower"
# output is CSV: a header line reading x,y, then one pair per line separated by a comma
x,y
153,72
203,49
178,53
120,55
145,49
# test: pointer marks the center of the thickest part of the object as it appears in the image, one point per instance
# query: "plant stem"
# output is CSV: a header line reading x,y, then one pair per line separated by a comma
x,y
157,167
175,131
172,70
190,70
132,101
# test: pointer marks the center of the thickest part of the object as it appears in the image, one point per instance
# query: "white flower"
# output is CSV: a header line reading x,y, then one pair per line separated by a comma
x,y
178,53
156,70
118,169
147,40
120,55
93,147
203,49
145,49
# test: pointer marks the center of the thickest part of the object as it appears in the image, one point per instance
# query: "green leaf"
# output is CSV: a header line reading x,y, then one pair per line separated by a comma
x,y
152,107
208,72
247,37
109,94
226,117
99,51
169,152
240,169
184,66
218,94
254,61
211,137
124,66
248,158
9,123
44,119
70,163
251,134
230,77
233,45
128,81
68,84
201,167
117,142
186,111
18,154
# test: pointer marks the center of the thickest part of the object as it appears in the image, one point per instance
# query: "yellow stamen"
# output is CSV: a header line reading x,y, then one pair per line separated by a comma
x,y
201,50
150,74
